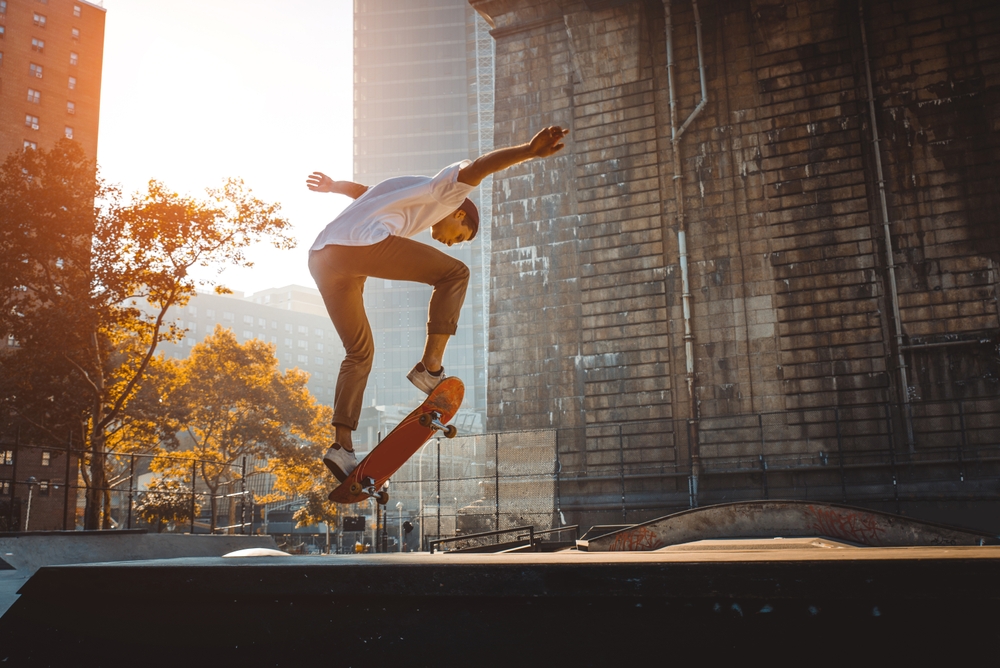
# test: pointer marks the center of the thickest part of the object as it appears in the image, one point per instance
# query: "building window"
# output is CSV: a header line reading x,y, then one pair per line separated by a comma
x,y
43,487
318,361
303,359
248,319
1,55
303,329
190,342
304,345
31,121
3,6
2,31
192,327
228,316
69,132
74,59
5,488
76,33
318,332
70,107
319,347
6,457
46,458
288,343
210,313
288,326
76,10
36,70
274,324
34,96
37,45
193,310
261,322
247,334
38,20
72,83
30,144
12,342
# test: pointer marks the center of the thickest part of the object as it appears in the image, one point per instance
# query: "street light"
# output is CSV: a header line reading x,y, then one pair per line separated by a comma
x,y
399,507
31,488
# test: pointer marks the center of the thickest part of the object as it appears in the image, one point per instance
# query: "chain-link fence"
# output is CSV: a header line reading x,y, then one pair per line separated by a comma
x,y
877,455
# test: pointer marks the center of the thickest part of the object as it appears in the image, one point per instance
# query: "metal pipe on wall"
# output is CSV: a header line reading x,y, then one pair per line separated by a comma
x,y
890,261
675,137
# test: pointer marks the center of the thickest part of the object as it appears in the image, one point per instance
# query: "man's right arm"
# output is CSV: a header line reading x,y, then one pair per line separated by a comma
x,y
321,183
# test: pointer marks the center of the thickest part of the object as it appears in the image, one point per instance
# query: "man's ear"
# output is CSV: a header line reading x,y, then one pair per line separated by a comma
x,y
459,215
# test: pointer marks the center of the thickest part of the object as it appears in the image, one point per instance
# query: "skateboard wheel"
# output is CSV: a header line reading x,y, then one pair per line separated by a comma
x,y
450,431
355,487
424,420
382,498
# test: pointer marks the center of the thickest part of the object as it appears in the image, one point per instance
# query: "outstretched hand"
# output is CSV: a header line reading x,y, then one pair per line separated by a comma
x,y
547,141
320,182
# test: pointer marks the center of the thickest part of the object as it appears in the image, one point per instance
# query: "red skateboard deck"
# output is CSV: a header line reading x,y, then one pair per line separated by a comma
x,y
402,442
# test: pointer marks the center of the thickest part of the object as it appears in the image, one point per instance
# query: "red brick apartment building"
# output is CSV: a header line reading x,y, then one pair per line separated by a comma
x,y
51,55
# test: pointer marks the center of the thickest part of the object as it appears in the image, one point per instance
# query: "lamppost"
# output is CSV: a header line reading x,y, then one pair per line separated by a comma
x,y
399,507
31,488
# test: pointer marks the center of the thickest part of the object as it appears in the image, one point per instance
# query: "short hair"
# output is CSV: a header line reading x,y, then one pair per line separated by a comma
x,y
471,216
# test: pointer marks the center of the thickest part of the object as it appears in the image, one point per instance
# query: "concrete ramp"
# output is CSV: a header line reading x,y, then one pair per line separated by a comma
x,y
788,519
30,551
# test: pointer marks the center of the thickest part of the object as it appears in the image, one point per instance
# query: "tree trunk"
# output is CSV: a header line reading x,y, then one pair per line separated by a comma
x,y
106,516
95,492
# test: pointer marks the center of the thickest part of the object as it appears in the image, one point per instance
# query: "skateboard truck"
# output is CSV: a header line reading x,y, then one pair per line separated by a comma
x,y
433,420
367,485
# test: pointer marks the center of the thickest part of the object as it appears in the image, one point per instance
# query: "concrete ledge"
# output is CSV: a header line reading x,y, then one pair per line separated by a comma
x,y
568,608
30,551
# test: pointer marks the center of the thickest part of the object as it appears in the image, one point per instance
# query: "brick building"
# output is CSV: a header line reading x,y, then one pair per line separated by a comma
x,y
51,59
51,56
745,269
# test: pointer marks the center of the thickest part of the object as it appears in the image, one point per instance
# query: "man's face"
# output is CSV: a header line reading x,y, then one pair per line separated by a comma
x,y
452,229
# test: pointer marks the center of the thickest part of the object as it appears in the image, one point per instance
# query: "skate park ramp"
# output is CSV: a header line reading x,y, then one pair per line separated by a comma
x,y
22,554
563,608
786,519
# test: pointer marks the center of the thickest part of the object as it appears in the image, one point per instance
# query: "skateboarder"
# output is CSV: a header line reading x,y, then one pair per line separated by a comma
x,y
371,237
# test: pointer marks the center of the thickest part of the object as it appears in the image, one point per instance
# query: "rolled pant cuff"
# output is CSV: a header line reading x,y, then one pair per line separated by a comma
x,y
448,328
340,421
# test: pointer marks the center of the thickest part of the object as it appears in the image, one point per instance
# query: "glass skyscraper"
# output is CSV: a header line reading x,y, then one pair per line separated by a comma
x,y
423,99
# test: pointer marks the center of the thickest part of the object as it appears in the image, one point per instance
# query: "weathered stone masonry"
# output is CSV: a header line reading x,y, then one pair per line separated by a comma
x,y
790,282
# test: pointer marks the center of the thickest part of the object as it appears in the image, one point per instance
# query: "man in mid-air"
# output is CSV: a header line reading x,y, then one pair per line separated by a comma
x,y
372,237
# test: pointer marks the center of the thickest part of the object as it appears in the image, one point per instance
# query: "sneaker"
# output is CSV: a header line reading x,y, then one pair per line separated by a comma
x,y
340,461
424,379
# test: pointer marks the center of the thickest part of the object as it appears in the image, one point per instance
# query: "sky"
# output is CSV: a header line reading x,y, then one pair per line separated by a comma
x,y
195,91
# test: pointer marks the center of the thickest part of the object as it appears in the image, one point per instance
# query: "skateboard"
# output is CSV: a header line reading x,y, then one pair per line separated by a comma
x,y
402,442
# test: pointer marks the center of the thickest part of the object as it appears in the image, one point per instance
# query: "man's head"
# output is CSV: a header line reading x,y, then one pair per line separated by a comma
x,y
458,226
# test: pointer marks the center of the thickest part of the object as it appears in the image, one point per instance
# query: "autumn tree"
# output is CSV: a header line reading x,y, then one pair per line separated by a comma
x,y
165,502
77,259
236,403
299,473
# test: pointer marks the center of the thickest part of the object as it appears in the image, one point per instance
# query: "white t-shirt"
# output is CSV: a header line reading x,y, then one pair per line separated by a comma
x,y
403,206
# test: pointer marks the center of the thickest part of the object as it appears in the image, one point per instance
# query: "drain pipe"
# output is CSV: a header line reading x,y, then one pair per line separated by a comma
x,y
890,262
675,137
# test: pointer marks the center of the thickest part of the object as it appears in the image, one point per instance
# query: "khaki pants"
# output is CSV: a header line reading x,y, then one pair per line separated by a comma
x,y
340,273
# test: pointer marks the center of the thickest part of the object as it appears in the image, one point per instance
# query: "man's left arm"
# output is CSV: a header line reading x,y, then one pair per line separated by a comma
x,y
542,145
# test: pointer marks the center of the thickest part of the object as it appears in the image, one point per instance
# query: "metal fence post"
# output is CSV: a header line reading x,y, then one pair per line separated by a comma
x,y
763,463
13,482
69,455
243,495
892,457
438,441
621,471
840,454
194,472
131,486
496,482
963,443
